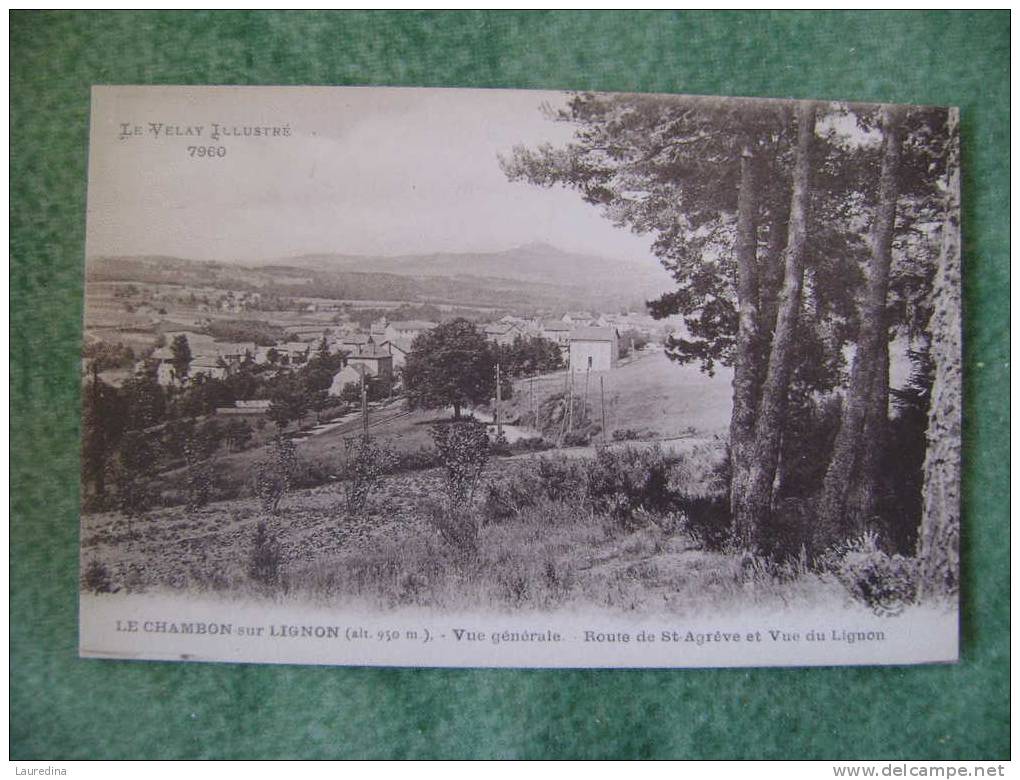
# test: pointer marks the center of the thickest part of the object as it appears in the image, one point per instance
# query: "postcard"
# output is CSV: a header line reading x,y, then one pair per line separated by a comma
x,y
444,377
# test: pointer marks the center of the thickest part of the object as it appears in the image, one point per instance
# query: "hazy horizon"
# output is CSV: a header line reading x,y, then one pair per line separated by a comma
x,y
378,172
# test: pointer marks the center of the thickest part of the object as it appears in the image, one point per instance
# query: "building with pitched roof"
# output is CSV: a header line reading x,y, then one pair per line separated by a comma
x,y
594,349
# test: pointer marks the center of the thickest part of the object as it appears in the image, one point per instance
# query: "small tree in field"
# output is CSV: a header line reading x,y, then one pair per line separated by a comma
x,y
198,476
366,462
266,556
180,352
133,469
464,450
275,473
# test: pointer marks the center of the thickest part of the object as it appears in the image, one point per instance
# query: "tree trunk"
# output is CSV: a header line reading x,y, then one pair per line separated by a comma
x,y
939,537
757,500
772,276
746,367
850,490
456,411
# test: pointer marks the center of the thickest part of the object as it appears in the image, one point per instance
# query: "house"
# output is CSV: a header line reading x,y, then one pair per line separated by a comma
x,y
162,360
557,331
407,329
399,350
594,349
352,342
502,333
296,351
377,359
348,375
232,354
208,366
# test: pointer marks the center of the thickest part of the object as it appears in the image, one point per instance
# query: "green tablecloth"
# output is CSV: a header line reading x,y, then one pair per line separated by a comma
x,y
63,707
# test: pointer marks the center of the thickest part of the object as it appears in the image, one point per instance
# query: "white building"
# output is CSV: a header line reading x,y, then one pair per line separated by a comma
x,y
594,349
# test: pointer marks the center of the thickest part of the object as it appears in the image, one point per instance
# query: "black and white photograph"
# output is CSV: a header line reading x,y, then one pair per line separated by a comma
x,y
443,377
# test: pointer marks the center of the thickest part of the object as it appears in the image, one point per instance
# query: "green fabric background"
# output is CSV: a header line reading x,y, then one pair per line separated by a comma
x,y
63,707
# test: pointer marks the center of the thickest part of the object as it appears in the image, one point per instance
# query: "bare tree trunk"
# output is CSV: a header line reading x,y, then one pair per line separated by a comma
x,y
772,275
850,490
939,537
747,363
757,499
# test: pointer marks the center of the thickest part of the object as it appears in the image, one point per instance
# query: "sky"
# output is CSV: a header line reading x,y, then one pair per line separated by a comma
x,y
362,171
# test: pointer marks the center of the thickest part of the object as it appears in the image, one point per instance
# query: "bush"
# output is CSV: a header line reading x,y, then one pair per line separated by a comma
x,y
198,476
366,462
707,519
531,444
562,480
265,559
508,496
623,482
96,578
500,447
274,475
885,583
625,434
457,524
463,449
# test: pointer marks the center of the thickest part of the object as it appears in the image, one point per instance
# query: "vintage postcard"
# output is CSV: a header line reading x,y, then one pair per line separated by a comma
x,y
513,378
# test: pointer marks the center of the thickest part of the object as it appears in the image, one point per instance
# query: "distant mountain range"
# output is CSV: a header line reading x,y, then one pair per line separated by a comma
x,y
537,262
532,275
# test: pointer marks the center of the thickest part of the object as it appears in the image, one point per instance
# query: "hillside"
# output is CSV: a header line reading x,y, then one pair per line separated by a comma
x,y
526,278
535,263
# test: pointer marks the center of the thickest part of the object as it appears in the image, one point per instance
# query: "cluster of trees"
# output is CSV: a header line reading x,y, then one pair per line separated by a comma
x,y
105,356
133,432
529,356
800,236
455,365
262,333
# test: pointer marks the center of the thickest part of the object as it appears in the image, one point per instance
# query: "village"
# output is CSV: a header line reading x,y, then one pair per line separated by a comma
x,y
194,344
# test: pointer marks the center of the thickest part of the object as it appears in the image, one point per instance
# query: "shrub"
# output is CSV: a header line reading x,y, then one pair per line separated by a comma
x,y
577,438
562,480
507,496
885,583
457,524
707,519
463,449
198,476
96,578
625,434
623,482
265,558
366,462
416,460
531,444
274,475
499,446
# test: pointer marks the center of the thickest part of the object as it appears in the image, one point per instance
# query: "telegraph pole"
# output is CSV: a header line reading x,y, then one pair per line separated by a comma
x,y
499,400
602,391
587,377
534,417
570,406
364,406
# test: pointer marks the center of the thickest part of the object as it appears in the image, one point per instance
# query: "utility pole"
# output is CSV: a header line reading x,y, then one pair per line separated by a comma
x,y
602,391
587,377
364,406
499,400
534,418
570,406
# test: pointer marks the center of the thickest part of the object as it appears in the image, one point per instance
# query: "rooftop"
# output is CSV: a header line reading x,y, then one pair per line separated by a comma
x,y
594,334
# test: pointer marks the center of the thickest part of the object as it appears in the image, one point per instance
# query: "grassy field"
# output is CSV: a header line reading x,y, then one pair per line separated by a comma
x,y
648,394
552,554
